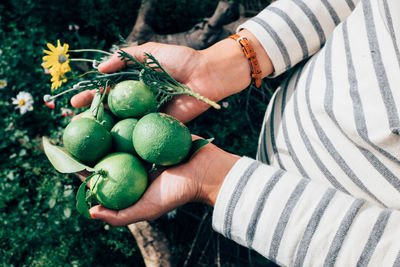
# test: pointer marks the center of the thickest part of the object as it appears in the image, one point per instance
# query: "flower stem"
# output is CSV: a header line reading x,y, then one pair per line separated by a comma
x,y
60,94
86,73
69,90
91,50
120,73
83,59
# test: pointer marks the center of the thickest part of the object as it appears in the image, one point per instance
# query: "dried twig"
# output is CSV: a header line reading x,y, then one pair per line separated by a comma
x,y
210,237
195,238
218,259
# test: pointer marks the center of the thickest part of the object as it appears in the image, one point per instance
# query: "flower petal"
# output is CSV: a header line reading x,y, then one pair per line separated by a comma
x,y
66,47
48,52
51,47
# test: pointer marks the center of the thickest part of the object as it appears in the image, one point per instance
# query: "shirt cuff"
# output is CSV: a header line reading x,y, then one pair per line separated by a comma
x,y
225,192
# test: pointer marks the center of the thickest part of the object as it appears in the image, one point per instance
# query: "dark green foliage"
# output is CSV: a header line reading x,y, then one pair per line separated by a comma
x,y
39,224
180,15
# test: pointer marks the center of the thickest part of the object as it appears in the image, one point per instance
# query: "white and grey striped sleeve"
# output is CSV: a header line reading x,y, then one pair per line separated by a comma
x,y
292,30
295,221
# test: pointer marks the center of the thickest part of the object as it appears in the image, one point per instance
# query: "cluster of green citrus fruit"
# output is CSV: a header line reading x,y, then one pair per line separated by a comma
x,y
119,148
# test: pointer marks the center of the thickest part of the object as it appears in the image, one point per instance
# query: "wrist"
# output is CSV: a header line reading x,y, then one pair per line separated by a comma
x,y
263,59
219,169
227,63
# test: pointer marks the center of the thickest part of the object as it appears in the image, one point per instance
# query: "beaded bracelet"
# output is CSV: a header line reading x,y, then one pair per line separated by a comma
x,y
251,56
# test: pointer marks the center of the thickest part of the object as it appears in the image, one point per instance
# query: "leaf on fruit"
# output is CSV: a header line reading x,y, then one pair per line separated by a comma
x,y
61,160
94,107
196,145
81,204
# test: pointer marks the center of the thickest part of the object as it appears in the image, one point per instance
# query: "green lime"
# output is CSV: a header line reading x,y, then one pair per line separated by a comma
x,y
86,139
123,182
108,118
121,135
161,139
131,99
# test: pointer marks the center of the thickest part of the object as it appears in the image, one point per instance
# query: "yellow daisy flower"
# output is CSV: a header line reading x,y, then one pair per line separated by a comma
x,y
56,80
57,62
57,56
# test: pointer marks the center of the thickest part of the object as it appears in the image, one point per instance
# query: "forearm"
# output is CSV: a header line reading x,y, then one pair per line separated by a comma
x,y
296,221
227,63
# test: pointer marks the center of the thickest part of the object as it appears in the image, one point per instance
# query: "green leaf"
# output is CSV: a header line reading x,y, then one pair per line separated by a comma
x,y
196,145
100,113
81,204
94,107
61,160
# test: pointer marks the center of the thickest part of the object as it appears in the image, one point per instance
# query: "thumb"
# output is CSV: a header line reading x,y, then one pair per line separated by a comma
x,y
142,210
113,217
115,63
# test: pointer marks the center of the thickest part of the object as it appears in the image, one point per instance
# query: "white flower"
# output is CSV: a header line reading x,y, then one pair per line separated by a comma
x,y
24,102
3,83
225,104
106,227
1,52
66,112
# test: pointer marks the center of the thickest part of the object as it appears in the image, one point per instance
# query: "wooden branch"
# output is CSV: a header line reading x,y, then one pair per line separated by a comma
x,y
152,243
142,29
202,35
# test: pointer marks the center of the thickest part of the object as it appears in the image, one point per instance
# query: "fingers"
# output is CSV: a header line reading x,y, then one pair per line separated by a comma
x,y
147,208
76,116
138,212
185,108
83,99
114,63
196,137
169,191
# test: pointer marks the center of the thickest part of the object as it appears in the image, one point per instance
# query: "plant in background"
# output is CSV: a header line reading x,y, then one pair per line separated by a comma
x,y
3,83
24,102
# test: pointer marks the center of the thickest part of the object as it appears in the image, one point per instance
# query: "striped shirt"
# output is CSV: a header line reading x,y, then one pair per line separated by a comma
x,y
325,188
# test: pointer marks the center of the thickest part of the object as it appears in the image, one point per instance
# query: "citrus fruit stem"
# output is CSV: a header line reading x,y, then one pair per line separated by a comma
x,y
202,98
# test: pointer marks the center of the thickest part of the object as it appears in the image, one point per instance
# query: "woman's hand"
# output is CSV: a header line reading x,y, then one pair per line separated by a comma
x,y
216,72
199,180
186,65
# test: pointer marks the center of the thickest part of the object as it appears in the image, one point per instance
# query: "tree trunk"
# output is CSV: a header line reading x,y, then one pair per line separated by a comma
x,y
202,35
152,243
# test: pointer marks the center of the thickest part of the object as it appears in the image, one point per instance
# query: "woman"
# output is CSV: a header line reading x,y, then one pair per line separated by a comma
x,y
325,188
